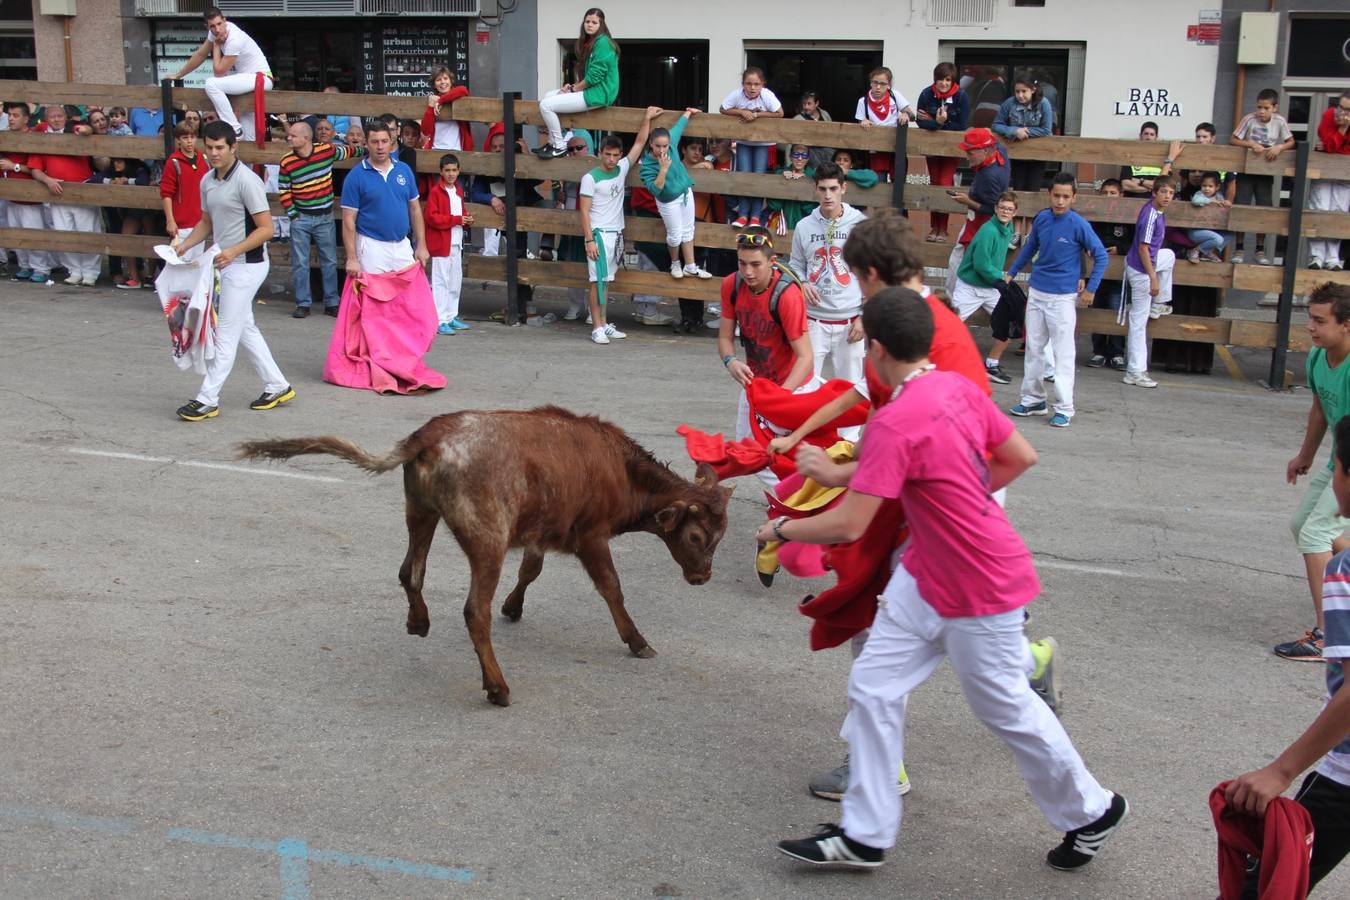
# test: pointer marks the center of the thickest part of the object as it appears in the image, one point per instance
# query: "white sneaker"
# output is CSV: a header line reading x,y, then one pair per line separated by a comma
x,y
539,321
1158,310
612,332
73,279
588,319
573,314
676,271
656,318
697,272
89,280
598,336
1141,380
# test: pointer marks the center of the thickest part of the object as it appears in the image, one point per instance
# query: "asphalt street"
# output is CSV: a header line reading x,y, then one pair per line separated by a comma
x,y
208,690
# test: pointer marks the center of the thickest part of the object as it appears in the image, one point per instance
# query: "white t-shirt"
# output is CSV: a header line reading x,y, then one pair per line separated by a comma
x,y
447,136
865,114
248,55
767,101
606,192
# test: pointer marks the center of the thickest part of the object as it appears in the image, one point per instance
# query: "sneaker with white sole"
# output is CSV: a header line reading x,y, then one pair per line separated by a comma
x,y
613,333
831,847
1082,845
73,280
1034,409
1140,380
831,785
598,336
92,280
697,272
656,318
996,374
573,313
1158,310
676,270
1059,420
1045,679
1096,361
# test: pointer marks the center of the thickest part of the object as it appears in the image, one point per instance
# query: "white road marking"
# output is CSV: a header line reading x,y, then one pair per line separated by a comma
x,y
200,464
1091,570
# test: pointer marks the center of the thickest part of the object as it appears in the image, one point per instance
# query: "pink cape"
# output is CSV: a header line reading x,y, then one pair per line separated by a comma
x,y
386,324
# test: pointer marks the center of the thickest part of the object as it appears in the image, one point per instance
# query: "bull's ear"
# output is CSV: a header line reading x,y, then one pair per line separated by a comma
x,y
705,475
727,491
669,518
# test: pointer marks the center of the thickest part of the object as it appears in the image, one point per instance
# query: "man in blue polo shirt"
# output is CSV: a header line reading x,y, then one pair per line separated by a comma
x,y
380,210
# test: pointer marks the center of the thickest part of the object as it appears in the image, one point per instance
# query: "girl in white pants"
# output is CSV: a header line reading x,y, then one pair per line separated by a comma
x,y
235,328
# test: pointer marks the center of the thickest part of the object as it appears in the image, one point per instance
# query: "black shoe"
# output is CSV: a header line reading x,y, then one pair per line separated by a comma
x,y
269,401
301,312
831,847
1314,265
1080,846
330,311
548,151
1306,649
192,411
996,374
1096,361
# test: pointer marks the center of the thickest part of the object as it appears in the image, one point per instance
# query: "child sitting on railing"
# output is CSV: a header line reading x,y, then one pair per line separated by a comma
x,y
1209,244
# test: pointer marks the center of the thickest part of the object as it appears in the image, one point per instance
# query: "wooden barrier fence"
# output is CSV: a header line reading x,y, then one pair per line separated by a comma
x,y
916,197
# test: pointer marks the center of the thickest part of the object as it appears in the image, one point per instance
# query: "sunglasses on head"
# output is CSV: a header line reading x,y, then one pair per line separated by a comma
x,y
754,240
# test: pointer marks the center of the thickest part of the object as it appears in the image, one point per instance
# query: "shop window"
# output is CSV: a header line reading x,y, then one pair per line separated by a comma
x,y
668,74
1319,47
838,75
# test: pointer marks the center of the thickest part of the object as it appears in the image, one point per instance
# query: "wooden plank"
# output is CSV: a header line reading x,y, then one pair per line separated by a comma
x,y
79,242
44,92
1269,279
1261,335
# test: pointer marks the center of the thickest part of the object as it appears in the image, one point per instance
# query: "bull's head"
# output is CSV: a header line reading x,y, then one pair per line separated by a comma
x,y
693,525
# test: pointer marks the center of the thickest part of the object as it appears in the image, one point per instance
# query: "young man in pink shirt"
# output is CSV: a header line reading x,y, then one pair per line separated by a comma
x,y
942,447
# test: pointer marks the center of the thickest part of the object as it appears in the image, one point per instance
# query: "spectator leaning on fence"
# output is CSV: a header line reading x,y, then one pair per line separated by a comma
x,y
989,163
751,102
1116,237
180,189
1333,132
1024,116
598,61
1266,132
942,106
54,170
305,180
34,265
231,50
883,107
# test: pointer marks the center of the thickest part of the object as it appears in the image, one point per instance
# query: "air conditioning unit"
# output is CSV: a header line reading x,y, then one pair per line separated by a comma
x,y
974,13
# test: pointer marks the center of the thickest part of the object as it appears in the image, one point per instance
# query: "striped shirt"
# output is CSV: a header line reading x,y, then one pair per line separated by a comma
x,y
1335,651
306,182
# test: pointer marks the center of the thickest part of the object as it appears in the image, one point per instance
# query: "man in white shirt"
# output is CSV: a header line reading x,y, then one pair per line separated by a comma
x,y
236,62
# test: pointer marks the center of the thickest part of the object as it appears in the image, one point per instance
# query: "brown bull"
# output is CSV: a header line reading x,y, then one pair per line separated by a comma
x,y
543,479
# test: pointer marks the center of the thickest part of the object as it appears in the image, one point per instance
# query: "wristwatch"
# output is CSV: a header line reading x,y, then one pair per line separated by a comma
x,y
778,528
726,360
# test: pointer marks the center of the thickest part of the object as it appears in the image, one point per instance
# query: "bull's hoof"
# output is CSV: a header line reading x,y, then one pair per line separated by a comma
x,y
419,628
512,613
644,652
499,697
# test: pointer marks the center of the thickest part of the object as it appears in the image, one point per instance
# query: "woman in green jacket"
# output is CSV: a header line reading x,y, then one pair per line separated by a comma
x,y
598,61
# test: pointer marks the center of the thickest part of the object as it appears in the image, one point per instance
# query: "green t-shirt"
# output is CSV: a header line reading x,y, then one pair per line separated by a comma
x,y
602,74
1332,387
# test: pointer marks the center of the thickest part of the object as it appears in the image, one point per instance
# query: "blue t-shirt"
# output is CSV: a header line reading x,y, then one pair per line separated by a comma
x,y
1335,651
145,122
1057,244
381,201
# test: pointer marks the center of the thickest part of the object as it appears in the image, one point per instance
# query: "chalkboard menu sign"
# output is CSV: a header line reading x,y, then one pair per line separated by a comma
x,y
398,59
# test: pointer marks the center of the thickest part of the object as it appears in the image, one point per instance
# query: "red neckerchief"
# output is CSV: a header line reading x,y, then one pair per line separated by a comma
x,y
993,158
880,108
938,95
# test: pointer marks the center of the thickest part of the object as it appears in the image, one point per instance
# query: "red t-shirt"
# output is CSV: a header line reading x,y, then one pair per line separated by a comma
x,y
953,350
769,353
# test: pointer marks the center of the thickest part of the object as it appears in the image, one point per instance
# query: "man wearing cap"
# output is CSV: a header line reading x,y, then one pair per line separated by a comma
x,y
989,162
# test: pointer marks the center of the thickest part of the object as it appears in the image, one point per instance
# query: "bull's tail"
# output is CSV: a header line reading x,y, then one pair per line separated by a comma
x,y
333,446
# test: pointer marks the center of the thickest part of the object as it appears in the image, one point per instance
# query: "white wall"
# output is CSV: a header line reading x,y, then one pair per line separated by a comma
x,y
1137,45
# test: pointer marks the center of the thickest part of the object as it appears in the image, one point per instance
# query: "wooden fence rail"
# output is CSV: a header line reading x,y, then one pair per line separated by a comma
x,y
917,197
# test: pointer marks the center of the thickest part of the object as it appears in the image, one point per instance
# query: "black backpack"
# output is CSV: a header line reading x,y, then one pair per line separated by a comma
x,y
786,278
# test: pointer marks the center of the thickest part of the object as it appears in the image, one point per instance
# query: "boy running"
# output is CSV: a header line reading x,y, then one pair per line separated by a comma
x,y
1319,528
942,448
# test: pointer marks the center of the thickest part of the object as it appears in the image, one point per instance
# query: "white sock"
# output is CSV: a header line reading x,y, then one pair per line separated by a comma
x,y
990,361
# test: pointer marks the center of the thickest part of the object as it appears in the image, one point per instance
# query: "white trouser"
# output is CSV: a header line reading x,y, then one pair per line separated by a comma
x,y
556,103
235,328
678,217
1140,302
953,263
30,216
86,220
967,298
831,342
908,641
1051,319
1329,196
447,274
743,431
377,256
492,242
219,90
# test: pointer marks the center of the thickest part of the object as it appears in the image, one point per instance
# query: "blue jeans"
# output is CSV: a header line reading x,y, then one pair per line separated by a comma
x,y
1207,241
321,231
756,160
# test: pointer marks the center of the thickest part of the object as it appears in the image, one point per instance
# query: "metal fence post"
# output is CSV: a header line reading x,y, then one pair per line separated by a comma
x,y
166,111
901,168
514,314
1293,250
